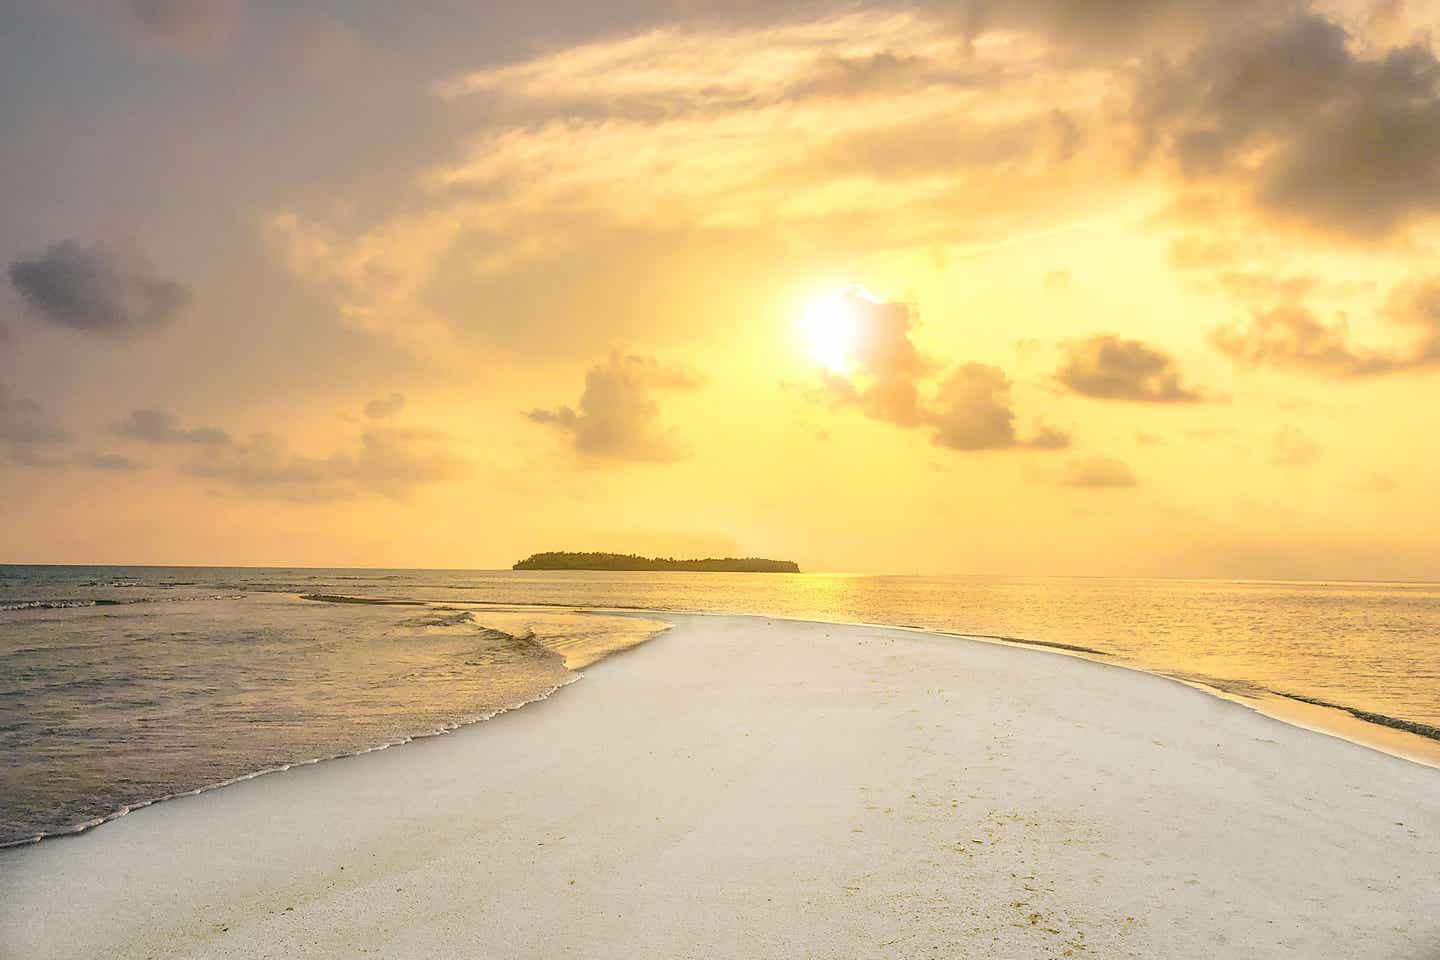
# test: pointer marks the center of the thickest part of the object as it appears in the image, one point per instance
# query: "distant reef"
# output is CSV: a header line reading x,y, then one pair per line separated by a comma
x,y
629,561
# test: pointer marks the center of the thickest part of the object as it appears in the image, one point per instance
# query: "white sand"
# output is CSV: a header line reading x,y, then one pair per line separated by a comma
x,y
748,788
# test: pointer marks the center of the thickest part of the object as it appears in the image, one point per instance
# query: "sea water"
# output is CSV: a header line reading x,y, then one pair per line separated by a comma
x,y
120,686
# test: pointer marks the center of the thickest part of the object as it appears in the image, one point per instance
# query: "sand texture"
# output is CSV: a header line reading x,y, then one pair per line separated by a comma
x,y
749,788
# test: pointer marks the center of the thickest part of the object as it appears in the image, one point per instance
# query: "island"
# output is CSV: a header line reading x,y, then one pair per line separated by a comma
x,y
560,560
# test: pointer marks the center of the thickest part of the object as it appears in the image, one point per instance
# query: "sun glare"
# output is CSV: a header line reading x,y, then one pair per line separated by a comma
x,y
831,325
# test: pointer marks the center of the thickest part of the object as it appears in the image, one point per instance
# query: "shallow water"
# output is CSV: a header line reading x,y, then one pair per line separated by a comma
x,y
123,685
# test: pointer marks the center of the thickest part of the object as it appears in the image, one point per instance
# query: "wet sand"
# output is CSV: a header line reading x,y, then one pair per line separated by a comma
x,y
746,787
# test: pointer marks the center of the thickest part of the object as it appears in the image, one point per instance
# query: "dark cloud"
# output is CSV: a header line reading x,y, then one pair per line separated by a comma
x,y
389,462
1048,438
616,417
973,411
882,72
1312,131
161,426
97,290
1110,368
25,432
1371,164
1098,472
1241,86
1292,447
23,422
111,461
189,24
1090,29
384,407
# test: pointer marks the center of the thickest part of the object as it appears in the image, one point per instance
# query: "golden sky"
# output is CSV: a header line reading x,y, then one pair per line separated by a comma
x,y
1091,287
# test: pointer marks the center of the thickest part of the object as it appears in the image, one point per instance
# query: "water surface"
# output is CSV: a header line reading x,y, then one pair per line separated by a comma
x,y
122,685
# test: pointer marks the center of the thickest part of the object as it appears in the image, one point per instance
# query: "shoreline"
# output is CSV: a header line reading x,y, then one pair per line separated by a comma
x,y
130,808
1394,737
576,672
770,788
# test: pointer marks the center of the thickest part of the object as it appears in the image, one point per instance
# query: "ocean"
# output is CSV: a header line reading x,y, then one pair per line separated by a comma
x,y
121,686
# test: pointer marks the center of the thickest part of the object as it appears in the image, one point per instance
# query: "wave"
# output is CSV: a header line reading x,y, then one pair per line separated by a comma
x,y
1245,689
558,604
75,603
1051,644
373,601
493,646
1425,730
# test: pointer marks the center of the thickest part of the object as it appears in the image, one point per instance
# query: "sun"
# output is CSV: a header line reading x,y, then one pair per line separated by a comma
x,y
832,327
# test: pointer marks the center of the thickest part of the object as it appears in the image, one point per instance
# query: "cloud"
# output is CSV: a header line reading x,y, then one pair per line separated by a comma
x,y
1415,306
1100,30
972,411
887,364
97,290
25,432
1110,368
719,67
757,134
192,25
389,462
1098,472
1292,447
1048,438
111,461
616,417
29,439
1291,337
861,74
1310,130
23,421
161,426
385,407
679,145
1257,287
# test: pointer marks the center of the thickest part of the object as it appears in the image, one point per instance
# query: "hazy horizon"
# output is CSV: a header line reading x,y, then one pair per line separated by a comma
x,y
933,574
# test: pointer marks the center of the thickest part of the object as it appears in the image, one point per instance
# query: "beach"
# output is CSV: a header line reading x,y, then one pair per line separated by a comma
x,y
743,786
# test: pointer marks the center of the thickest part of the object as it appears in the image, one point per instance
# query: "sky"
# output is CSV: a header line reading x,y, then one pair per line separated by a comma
x,y
1070,287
